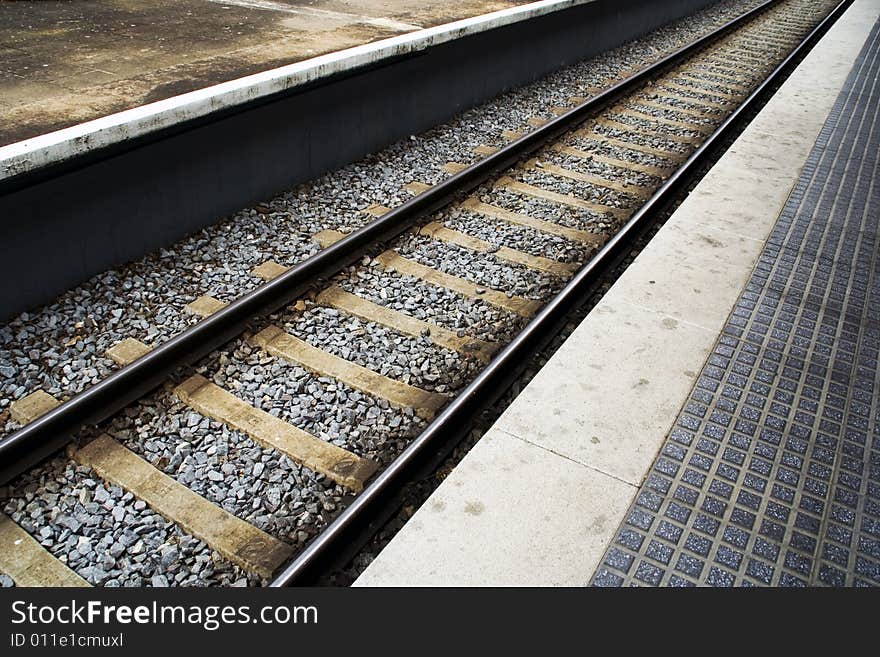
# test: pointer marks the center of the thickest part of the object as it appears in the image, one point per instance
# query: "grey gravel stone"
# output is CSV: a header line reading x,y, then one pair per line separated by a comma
x,y
431,303
621,153
254,483
652,140
521,238
414,361
582,190
548,211
118,543
480,268
631,177
159,581
660,129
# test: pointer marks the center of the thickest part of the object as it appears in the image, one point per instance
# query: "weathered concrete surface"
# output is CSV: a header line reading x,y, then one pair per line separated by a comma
x,y
63,63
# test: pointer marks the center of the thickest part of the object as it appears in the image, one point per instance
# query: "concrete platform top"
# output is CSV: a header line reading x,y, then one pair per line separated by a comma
x,y
79,76
560,471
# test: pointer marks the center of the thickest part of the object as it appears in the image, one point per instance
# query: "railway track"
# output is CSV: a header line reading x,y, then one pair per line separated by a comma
x,y
364,327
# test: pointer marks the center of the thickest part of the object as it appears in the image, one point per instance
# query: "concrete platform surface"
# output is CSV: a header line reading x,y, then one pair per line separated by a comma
x,y
63,63
603,405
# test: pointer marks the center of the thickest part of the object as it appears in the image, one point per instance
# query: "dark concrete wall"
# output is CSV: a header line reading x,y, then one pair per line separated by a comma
x,y
63,227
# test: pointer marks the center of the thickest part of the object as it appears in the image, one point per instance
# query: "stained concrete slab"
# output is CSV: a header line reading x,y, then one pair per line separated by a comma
x,y
498,505
624,374
612,384
691,275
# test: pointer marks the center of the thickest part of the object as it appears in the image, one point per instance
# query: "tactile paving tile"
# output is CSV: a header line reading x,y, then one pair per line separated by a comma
x,y
771,474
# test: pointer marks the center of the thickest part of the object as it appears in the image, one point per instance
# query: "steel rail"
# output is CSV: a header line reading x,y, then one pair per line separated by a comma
x,y
493,381
49,433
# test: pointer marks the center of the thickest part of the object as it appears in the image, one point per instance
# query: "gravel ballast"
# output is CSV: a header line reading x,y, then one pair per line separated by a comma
x,y
548,211
107,536
522,238
621,152
254,483
414,361
600,169
480,268
465,316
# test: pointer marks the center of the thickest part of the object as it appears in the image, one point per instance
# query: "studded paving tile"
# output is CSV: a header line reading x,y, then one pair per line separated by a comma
x,y
771,474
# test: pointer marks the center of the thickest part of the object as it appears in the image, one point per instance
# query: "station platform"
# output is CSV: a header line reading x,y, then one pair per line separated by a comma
x,y
715,420
65,63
